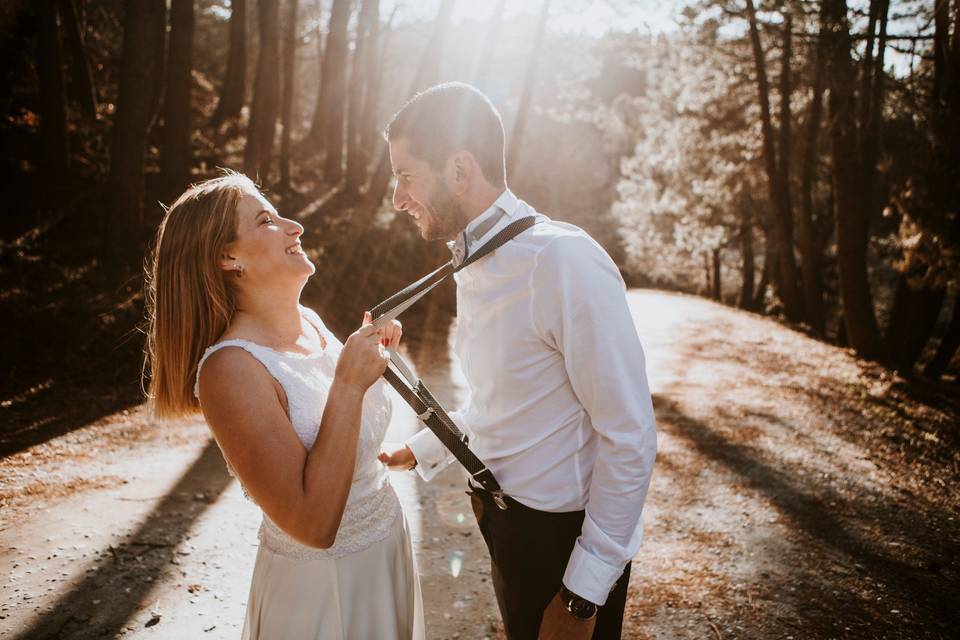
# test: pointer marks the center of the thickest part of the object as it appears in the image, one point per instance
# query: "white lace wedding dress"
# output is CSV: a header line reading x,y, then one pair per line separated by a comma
x,y
365,585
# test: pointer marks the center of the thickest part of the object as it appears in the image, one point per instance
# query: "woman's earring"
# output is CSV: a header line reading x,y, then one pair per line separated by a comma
x,y
239,270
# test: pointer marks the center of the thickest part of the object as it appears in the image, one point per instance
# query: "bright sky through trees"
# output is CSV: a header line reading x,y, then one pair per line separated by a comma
x,y
591,17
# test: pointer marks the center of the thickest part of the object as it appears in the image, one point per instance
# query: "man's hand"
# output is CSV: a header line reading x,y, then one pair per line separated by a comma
x,y
400,460
560,624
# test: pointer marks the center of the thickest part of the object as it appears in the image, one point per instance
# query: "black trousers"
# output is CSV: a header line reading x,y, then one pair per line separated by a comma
x,y
529,550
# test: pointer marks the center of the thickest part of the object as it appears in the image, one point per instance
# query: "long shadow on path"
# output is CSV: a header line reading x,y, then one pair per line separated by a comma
x,y
813,510
123,582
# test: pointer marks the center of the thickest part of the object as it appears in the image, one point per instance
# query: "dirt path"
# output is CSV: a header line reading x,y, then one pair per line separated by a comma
x,y
798,494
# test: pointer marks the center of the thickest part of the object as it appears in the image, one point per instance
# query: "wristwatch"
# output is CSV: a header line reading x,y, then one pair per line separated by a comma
x,y
579,608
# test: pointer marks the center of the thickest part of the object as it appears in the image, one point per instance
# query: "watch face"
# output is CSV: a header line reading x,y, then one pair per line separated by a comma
x,y
581,608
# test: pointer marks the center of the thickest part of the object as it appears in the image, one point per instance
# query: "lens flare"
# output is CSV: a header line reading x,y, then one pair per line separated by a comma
x,y
456,563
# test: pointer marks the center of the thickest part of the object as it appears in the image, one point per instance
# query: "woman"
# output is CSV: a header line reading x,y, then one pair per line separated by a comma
x,y
299,416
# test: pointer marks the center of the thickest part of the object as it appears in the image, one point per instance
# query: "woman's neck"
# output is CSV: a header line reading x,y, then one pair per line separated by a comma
x,y
271,320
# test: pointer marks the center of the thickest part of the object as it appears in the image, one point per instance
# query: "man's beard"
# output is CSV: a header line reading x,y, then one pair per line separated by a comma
x,y
446,215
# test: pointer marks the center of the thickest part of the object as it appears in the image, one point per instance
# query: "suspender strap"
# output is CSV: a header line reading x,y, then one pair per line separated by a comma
x,y
432,414
503,236
416,394
403,299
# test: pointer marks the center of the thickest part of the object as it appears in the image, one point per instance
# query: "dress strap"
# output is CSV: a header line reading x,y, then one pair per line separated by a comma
x,y
247,346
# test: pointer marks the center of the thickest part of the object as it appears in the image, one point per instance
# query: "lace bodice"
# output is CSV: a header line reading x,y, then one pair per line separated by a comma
x,y
372,505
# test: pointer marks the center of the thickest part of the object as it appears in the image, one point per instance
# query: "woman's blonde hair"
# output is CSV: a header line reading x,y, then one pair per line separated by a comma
x,y
189,302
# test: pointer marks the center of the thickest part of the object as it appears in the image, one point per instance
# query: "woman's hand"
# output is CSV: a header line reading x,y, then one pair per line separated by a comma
x,y
363,358
390,334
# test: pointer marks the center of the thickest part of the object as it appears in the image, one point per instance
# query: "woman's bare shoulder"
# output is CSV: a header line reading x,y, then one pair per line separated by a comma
x,y
233,368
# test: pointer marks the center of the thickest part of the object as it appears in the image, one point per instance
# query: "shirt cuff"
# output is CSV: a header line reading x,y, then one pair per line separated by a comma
x,y
431,455
590,577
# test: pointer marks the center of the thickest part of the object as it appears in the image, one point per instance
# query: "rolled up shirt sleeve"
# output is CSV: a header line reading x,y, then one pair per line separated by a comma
x,y
579,307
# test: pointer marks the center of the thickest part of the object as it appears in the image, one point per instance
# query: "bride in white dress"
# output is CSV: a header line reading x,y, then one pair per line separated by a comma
x,y
299,416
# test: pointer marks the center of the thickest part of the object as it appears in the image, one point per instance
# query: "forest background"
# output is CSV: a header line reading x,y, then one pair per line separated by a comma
x,y
798,159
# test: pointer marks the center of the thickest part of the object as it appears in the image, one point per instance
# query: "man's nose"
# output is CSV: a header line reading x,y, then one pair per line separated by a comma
x,y
399,198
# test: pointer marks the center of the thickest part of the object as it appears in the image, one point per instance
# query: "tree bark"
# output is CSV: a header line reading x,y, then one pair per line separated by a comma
x,y
53,110
286,109
425,75
916,307
747,298
526,95
717,284
428,70
777,176
140,74
760,295
871,100
809,246
263,113
370,133
81,79
175,156
316,123
481,64
948,346
363,65
852,218
234,89
335,98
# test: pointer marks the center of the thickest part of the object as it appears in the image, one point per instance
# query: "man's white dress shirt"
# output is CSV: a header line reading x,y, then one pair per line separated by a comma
x,y
558,408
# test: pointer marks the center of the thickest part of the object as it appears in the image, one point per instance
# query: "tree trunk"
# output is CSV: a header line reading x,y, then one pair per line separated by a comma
x,y
428,70
948,346
81,79
717,284
316,124
916,308
946,119
263,113
286,109
335,98
53,110
481,64
526,96
871,100
809,246
761,293
140,74
777,176
707,284
747,298
370,135
357,158
425,75
175,156
852,218
913,319
234,89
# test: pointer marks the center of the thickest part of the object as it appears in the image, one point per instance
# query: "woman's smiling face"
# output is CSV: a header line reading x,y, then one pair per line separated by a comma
x,y
267,244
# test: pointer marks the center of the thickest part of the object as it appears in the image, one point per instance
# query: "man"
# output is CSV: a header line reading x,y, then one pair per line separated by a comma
x,y
559,408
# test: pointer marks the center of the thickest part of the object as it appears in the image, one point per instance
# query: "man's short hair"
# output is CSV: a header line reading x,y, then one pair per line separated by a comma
x,y
452,117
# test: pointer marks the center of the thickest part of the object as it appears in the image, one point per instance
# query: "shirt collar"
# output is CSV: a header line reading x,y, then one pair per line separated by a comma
x,y
481,227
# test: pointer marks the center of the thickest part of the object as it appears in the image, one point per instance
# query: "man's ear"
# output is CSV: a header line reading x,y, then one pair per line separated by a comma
x,y
463,170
